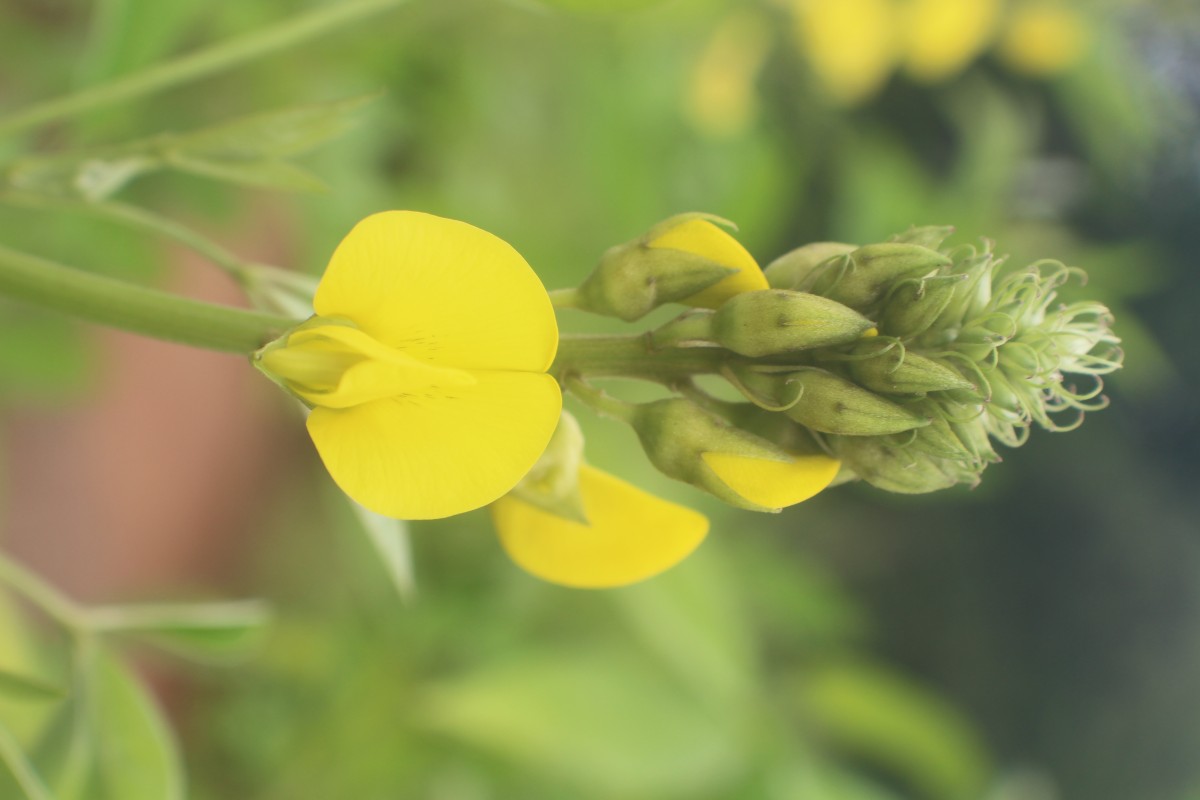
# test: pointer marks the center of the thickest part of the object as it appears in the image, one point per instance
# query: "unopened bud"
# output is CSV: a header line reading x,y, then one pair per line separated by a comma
x,y
764,323
893,369
684,259
830,404
893,468
930,236
912,306
553,482
793,269
696,446
861,278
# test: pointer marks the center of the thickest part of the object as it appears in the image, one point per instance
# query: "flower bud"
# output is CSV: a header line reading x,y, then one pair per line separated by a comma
x,y
893,369
793,269
830,404
890,467
684,259
930,236
861,278
912,306
553,483
693,445
780,321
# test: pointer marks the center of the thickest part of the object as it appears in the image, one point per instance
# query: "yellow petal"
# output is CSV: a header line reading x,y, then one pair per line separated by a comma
x,y
702,238
850,44
773,484
1043,38
340,366
944,36
450,450
442,291
632,535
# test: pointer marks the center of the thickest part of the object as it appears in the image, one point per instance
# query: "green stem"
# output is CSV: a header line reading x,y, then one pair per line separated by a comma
x,y
564,298
135,308
192,67
600,402
634,357
140,220
20,768
42,595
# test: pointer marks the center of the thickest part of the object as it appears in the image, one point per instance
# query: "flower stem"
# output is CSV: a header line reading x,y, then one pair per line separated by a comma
x,y
42,595
564,298
20,768
135,308
600,402
192,67
634,357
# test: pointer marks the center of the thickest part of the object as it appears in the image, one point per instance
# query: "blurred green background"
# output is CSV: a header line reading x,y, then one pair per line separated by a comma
x,y
1036,638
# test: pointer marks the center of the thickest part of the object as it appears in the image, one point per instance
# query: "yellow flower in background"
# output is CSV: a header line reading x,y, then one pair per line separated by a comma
x,y
942,37
424,366
1043,39
851,44
722,101
702,238
630,535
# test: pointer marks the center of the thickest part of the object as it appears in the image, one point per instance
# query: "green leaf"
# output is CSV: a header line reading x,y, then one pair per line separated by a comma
x,y
135,753
390,539
692,619
203,631
878,715
612,726
15,684
267,174
274,135
63,754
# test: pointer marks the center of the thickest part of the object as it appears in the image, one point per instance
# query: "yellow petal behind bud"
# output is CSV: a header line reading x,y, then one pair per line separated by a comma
x,y
633,535
944,36
774,484
702,238
1043,39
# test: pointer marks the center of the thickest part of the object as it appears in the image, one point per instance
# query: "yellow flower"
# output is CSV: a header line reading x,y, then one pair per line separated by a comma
x,y
721,100
424,366
850,44
629,536
1043,38
702,238
944,36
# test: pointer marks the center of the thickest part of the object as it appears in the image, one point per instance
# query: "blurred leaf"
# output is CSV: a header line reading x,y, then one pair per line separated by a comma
x,y
390,539
17,776
271,136
610,725
17,685
877,715
63,753
135,755
692,618
40,355
268,174
204,631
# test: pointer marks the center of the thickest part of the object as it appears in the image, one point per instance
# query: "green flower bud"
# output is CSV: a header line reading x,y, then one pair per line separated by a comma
x,y
893,468
775,321
691,444
633,279
890,368
685,259
824,402
912,306
553,483
861,278
793,269
930,236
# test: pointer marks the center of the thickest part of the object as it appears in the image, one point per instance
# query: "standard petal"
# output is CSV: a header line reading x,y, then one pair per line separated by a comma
x,y
702,238
441,453
631,535
440,290
773,484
